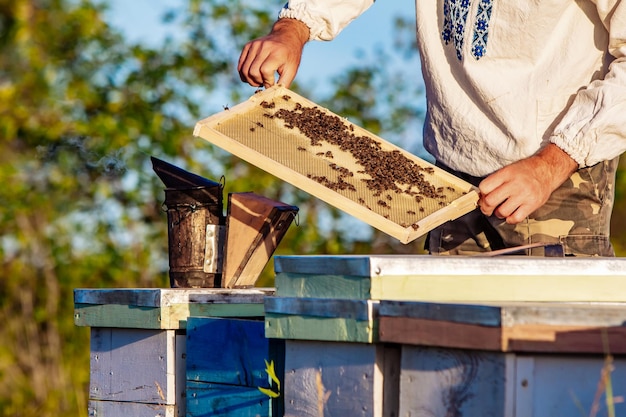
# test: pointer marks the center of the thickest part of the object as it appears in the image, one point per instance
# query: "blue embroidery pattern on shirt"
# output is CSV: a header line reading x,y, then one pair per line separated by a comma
x,y
455,14
481,28
454,18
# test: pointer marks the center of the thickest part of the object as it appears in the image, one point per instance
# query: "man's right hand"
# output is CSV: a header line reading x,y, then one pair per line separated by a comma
x,y
280,51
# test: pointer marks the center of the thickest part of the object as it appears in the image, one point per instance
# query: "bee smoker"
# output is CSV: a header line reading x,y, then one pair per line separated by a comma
x,y
195,227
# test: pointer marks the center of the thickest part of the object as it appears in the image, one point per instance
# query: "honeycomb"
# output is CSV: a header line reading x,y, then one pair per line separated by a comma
x,y
339,162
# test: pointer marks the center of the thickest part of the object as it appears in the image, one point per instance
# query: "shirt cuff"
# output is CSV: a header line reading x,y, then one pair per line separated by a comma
x,y
319,28
578,155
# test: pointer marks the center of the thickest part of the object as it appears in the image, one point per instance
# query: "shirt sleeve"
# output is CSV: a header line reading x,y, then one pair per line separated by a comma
x,y
594,127
325,18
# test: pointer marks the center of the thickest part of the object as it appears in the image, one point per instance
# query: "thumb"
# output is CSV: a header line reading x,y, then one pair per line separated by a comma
x,y
286,75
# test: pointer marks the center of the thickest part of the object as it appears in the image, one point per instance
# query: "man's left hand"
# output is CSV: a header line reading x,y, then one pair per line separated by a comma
x,y
517,190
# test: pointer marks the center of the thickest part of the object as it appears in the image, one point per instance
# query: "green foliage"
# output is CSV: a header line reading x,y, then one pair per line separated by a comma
x,y
81,111
618,220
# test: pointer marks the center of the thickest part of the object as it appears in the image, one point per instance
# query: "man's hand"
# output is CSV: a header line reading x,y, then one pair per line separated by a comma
x,y
280,51
515,191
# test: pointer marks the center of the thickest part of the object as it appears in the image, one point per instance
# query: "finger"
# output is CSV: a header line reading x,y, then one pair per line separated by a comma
x,y
490,202
243,66
262,69
267,74
492,182
527,204
250,65
520,214
506,208
243,57
485,208
247,76
493,191
287,74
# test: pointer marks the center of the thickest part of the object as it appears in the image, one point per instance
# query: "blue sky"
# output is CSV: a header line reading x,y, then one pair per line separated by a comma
x,y
321,59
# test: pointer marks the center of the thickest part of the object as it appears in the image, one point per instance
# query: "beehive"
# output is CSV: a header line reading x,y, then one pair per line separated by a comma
x,y
340,163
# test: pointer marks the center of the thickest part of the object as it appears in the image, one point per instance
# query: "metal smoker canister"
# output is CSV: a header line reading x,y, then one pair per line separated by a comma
x,y
195,218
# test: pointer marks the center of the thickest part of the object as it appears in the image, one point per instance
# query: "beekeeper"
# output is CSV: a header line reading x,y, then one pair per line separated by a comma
x,y
525,99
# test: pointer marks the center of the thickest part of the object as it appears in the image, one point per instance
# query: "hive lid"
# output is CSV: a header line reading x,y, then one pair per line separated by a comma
x,y
340,163
255,226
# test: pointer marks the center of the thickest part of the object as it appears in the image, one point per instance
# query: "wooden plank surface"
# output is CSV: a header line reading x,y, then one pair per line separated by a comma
x,y
547,288
321,319
337,329
222,400
364,310
117,409
159,297
171,317
162,308
478,314
501,314
521,338
327,166
334,379
114,315
438,382
330,286
417,265
516,327
457,279
177,315
566,386
470,383
564,339
349,265
133,365
420,332
227,351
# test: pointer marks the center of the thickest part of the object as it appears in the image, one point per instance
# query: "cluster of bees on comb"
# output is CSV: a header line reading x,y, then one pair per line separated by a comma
x,y
388,171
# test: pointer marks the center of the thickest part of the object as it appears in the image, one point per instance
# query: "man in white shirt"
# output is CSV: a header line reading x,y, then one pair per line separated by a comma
x,y
525,98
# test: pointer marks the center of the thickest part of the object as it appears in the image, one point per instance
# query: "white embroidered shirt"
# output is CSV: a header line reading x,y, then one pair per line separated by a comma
x,y
504,78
